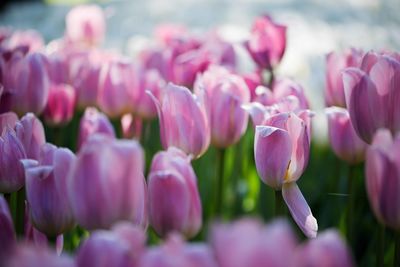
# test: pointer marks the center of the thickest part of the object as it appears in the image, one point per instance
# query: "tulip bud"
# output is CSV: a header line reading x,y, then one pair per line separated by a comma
x,y
173,195
131,126
183,120
31,133
327,250
286,87
11,171
113,169
383,178
344,141
85,25
7,234
29,84
267,42
248,243
46,191
61,104
93,122
370,93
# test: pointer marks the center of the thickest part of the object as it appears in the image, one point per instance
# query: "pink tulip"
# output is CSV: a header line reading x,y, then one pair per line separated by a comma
x,y
287,87
30,132
248,243
371,93
183,120
28,83
93,122
61,104
120,247
252,80
7,120
176,253
335,63
131,126
85,25
113,169
174,200
29,38
7,233
382,170
344,141
281,151
11,171
46,191
267,42
226,93
327,250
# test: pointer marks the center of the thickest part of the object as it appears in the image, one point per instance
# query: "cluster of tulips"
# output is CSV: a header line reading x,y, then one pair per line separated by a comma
x,y
97,187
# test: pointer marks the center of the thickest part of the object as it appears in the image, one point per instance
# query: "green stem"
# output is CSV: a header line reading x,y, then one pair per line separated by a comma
x,y
116,122
7,197
278,203
220,181
396,257
381,247
350,204
20,212
58,138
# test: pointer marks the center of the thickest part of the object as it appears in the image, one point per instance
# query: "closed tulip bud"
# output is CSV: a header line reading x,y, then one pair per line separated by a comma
x,y
344,141
281,151
61,104
335,63
383,178
176,253
267,42
120,247
46,191
117,88
174,199
93,122
370,93
11,171
226,93
113,169
327,250
183,120
7,234
30,132
248,243
29,84
86,25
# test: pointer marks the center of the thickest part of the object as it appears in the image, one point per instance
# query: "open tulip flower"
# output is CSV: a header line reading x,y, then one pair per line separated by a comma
x,y
281,151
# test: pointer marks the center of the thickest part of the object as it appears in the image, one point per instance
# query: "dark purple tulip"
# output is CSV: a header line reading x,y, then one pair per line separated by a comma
x,y
174,199
113,169
30,132
7,233
46,191
382,169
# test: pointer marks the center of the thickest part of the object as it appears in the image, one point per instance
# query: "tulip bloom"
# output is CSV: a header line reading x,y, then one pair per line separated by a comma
x,y
30,132
61,104
267,42
226,93
173,195
46,190
31,39
113,169
344,141
335,63
183,120
382,171
281,151
7,234
93,122
249,243
371,94
85,25
327,250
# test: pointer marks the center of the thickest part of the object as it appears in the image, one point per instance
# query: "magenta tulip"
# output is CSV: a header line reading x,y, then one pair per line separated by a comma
x,y
183,120
93,122
46,191
248,243
174,200
327,250
61,104
113,169
382,171
372,93
7,234
335,63
85,25
267,42
30,132
344,141
281,151
226,93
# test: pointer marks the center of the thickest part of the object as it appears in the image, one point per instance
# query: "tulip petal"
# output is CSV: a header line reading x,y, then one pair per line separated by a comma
x,y
299,209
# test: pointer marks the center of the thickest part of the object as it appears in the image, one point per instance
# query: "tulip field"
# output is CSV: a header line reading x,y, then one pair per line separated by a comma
x,y
179,156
